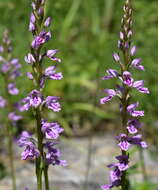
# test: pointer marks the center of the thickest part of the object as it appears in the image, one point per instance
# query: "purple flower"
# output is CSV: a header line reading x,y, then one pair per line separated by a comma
x,y
123,162
41,39
5,67
137,140
14,74
131,110
15,62
32,22
12,89
136,63
52,102
50,54
133,126
30,59
111,74
50,72
30,152
124,144
53,155
47,22
3,102
24,139
111,93
133,51
51,130
34,99
13,117
139,85
29,75
127,78
116,57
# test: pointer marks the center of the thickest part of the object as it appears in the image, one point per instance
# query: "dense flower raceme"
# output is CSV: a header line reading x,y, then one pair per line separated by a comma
x,y
127,62
44,146
9,70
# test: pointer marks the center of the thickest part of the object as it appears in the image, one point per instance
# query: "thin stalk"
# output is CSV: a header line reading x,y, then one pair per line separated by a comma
x,y
125,101
46,177
39,161
10,137
11,157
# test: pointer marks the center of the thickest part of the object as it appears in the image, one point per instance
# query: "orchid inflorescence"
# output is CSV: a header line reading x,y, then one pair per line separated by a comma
x,y
129,113
43,149
9,71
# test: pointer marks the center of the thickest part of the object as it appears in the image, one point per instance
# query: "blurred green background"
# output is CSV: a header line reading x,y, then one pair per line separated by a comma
x,y
86,33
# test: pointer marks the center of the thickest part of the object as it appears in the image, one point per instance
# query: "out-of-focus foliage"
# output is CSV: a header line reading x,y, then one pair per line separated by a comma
x,y
86,34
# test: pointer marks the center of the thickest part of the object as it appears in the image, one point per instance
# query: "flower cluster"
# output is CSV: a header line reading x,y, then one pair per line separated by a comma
x,y
129,113
9,70
41,149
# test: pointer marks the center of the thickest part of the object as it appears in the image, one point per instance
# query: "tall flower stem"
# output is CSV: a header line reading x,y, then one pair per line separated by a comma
x,y
11,158
129,115
42,148
9,108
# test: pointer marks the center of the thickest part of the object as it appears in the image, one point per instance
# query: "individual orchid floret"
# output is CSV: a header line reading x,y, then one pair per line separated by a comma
x,y
12,89
131,110
127,78
139,85
111,93
136,63
30,152
41,39
5,67
50,54
29,75
47,22
123,162
137,140
50,72
51,130
13,117
32,22
34,99
52,102
111,74
53,155
116,57
133,125
124,142
3,102
24,139
133,51
30,59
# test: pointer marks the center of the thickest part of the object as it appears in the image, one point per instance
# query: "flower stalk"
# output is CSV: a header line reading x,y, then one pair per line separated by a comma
x,y
9,71
42,148
129,115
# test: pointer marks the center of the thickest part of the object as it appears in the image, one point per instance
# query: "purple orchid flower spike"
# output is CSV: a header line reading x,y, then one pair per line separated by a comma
x,y
129,115
41,148
10,71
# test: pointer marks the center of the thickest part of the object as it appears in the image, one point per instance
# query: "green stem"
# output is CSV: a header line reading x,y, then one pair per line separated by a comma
x,y
11,157
10,135
39,161
46,177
